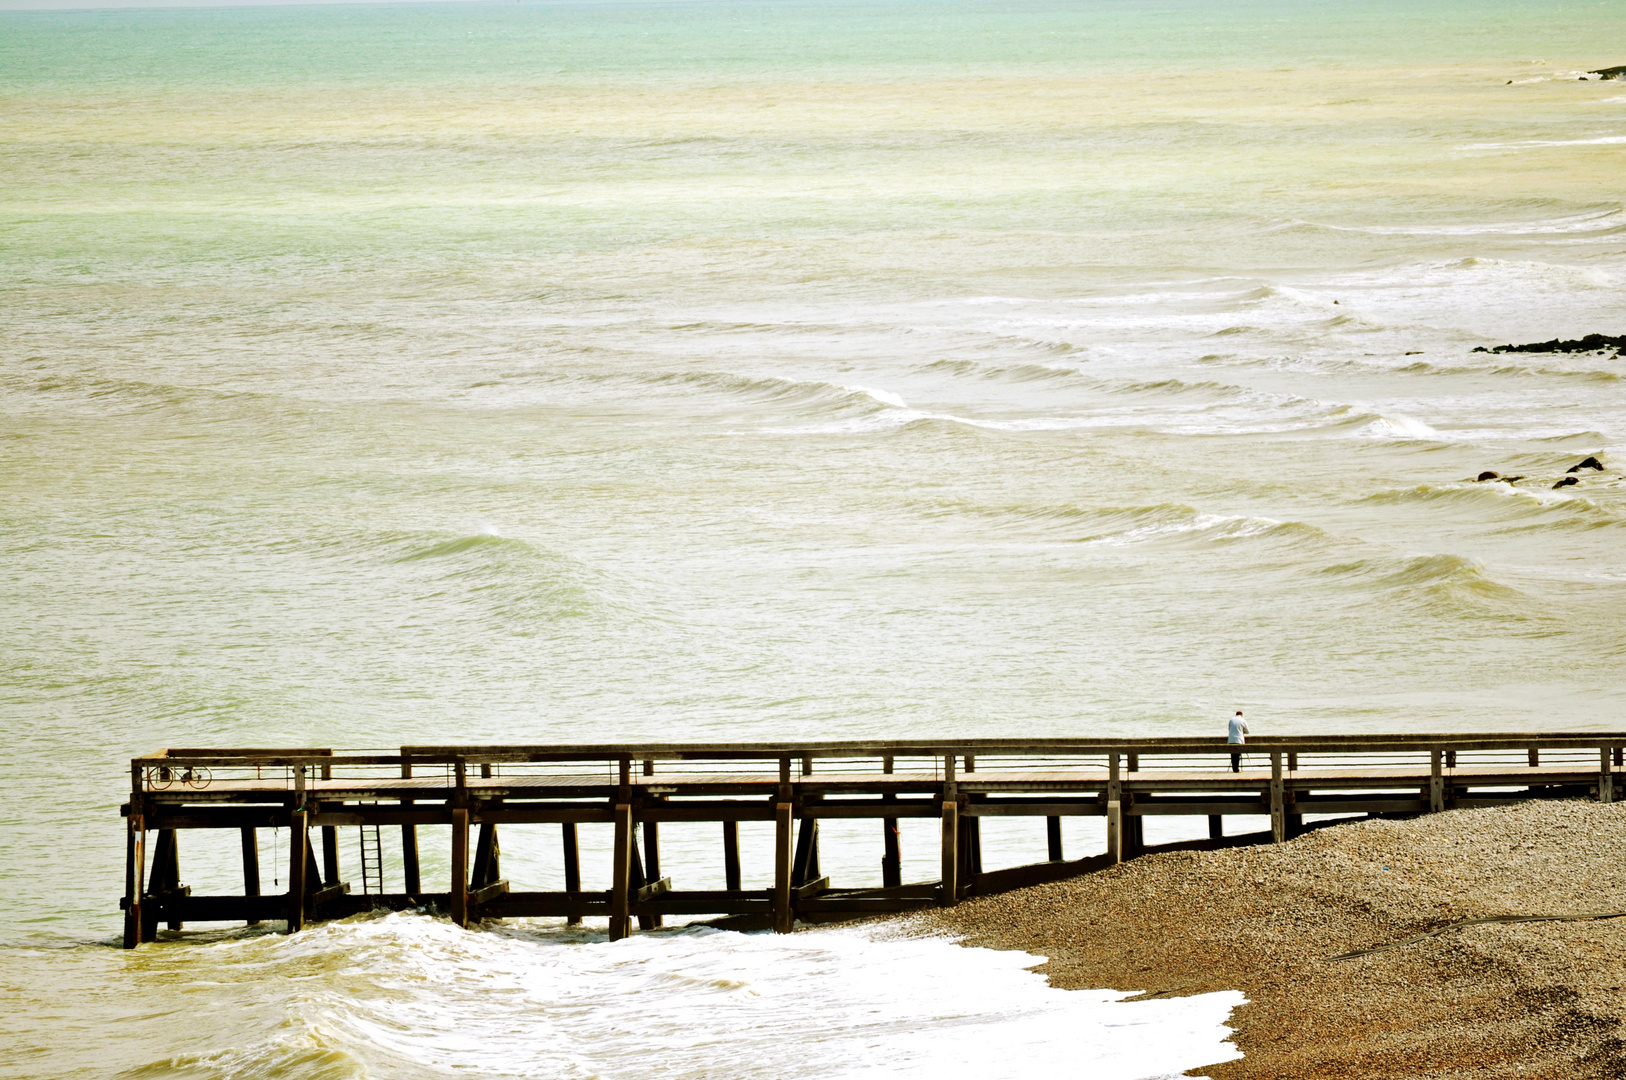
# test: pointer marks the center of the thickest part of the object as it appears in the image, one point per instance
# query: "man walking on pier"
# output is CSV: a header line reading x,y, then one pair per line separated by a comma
x,y
1237,736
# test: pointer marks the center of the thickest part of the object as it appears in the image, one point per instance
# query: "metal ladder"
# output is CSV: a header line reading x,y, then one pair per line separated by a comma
x,y
372,861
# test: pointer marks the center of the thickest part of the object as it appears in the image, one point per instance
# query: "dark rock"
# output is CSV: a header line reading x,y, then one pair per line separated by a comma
x,y
1511,479
1590,343
1565,481
1589,463
1610,73
1487,475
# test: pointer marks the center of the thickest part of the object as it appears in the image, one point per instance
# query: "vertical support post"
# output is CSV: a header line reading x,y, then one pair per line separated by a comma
x,y
638,878
460,866
573,867
731,856
330,840
1133,762
409,842
891,852
1052,832
487,857
951,852
1216,826
1436,781
1450,759
251,866
804,864
330,855
1115,811
621,874
1535,757
135,872
1278,812
298,856
1606,779
166,874
950,884
783,916
1134,826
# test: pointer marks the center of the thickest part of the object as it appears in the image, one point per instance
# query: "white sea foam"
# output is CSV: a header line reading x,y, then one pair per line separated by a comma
x,y
423,998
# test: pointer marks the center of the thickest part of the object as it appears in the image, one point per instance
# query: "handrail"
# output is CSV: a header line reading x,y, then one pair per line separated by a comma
x,y
452,754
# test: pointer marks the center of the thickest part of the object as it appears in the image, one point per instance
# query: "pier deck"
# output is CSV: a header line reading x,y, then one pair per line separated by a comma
x,y
636,788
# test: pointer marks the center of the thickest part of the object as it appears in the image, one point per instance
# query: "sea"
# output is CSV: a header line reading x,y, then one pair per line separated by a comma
x,y
753,370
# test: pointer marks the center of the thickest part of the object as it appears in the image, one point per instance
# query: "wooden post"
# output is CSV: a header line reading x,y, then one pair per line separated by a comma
x,y
1450,759
950,885
1052,831
487,857
1436,781
731,856
1292,761
1535,757
409,843
460,866
652,865
573,867
804,865
621,873
1216,827
1134,840
166,876
298,853
251,866
330,839
1115,812
891,852
1278,812
636,879
330,855
783,916
951,853
1133,762
135,872
1606,779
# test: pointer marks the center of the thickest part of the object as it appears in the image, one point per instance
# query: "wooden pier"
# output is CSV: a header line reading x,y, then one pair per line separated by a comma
x,y
794,786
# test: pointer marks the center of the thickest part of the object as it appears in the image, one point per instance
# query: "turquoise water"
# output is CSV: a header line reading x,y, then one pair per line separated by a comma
x,y
534,372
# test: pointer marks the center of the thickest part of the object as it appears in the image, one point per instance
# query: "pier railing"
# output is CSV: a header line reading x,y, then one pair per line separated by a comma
x,y
636,787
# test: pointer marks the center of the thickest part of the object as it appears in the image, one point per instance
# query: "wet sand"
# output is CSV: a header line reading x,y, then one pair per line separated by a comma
x,y
1540,999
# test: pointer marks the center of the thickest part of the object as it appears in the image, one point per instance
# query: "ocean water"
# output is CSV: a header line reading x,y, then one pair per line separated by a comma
x,y
541,371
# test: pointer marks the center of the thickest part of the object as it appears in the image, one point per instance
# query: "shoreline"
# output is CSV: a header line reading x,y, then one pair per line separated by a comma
x,y
1534,999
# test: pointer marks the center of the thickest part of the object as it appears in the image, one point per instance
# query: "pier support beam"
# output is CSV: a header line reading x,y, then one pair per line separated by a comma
x,y
891,852
135,872
298,858
731,856
621,873
166,877
1115,812
783,916
1436,781
652,863
951,836
1606,779
573,867
460,867
251,866
1216,826
1052,833
413,884
1278,811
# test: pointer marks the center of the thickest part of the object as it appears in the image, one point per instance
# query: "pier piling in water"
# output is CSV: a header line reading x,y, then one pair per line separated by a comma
x,y
308,791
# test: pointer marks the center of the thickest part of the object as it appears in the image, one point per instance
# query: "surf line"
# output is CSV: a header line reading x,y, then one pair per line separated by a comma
x,y
315,793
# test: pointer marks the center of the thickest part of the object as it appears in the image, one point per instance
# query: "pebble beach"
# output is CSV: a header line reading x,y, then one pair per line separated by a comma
x,y
1534,999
